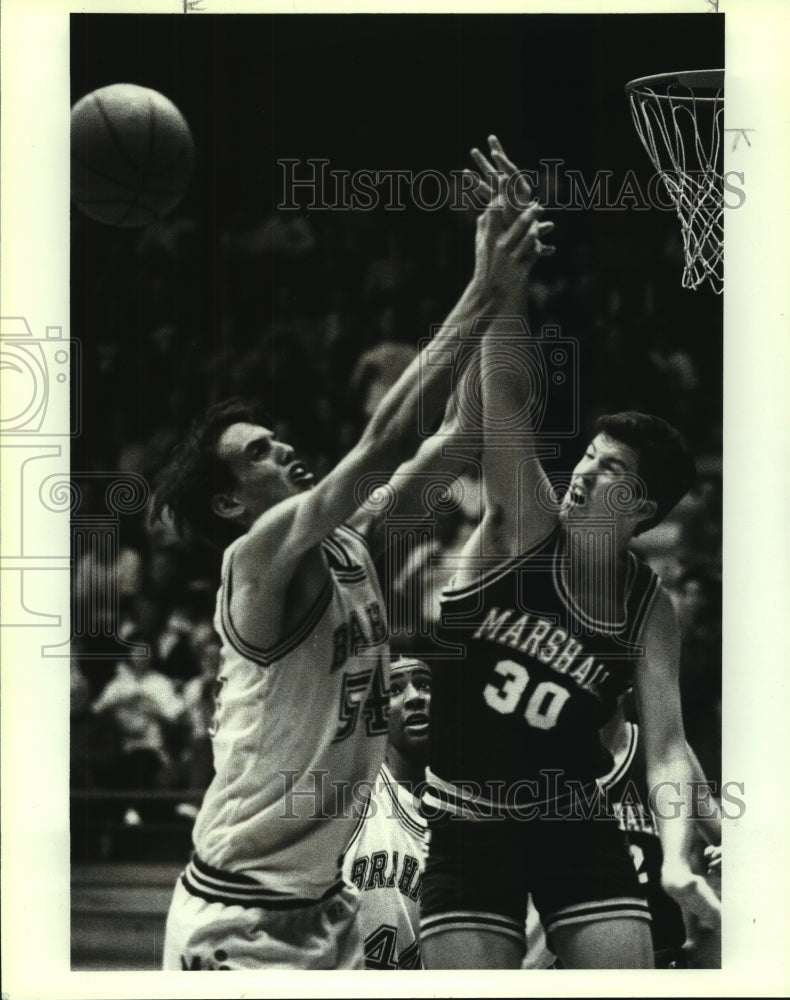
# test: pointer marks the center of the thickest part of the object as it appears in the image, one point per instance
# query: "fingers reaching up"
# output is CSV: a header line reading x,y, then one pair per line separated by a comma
x,y
499,182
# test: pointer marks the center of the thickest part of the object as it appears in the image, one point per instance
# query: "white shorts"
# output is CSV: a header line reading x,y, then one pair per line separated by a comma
x,y
202,935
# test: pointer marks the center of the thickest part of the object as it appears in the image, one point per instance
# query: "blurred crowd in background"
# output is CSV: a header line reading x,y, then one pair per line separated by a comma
x,y
314,316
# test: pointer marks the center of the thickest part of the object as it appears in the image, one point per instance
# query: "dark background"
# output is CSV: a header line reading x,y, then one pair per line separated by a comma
x,y
226,295
384,92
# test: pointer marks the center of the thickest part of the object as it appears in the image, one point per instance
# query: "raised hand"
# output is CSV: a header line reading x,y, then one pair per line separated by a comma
x,y
500,180
504,256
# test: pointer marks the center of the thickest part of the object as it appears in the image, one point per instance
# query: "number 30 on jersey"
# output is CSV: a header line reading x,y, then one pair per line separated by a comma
x,y
544,704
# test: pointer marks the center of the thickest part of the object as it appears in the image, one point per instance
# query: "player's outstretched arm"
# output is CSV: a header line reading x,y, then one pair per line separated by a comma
x,y
439,461
503,188
513,477
282,535
670,774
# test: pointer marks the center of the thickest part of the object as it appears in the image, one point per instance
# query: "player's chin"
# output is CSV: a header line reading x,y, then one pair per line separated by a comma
x,y
416,737
572,510
567,512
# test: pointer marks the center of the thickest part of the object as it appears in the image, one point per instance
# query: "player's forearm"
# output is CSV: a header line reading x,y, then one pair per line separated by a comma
x,y
708,809
511,294
506,388
673,802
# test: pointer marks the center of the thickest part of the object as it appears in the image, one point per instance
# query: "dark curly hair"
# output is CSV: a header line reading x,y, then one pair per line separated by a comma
x,y
194,474
666,464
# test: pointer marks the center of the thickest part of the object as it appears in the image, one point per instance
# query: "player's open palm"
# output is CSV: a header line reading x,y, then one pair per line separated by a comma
x,y
505,256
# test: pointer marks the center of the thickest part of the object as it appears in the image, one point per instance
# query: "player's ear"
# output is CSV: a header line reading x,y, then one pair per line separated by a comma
x,y
226,506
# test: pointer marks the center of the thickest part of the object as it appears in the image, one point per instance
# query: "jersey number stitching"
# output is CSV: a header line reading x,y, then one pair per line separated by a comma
x,y
360,692
380,948
543,705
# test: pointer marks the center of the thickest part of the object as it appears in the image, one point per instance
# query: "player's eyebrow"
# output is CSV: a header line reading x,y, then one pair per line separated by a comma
x,y
612,463
420,674
251,446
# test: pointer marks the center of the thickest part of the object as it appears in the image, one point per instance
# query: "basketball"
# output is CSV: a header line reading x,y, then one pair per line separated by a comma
x,y
132,155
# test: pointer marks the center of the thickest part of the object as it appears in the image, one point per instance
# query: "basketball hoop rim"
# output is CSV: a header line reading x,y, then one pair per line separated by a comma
x,y
710,79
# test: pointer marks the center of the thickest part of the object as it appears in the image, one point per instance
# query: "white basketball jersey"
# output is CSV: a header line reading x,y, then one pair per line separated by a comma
x,y
298,729
385,860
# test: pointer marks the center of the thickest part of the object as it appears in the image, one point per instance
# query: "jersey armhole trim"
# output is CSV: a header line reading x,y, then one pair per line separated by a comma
x,y
399,808
562,591
357,534
257,654
619,768
644,605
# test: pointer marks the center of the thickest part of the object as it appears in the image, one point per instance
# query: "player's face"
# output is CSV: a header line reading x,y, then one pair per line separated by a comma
x,y
264,469
410,706
605,464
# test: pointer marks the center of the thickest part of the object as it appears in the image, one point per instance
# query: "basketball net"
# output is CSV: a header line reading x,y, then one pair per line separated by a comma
x,y
679,118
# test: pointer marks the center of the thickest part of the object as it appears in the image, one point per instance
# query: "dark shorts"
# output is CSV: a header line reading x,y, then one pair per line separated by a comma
x,y
479,873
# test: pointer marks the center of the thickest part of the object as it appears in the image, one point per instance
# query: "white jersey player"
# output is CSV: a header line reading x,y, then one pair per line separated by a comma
x,y
301,716
386,856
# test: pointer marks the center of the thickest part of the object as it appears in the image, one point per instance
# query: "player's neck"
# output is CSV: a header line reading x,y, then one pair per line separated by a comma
x,y
603,545
405,770
596,570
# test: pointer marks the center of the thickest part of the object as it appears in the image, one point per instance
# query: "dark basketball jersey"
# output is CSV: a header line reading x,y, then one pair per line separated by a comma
x,y
627,795
515,713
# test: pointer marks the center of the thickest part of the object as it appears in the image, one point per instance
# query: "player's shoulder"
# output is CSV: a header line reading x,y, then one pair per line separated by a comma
x,y
274,546
229,557
647,598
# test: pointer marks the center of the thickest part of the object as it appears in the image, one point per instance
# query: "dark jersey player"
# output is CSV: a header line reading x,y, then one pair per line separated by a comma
x,y
627,794
553,619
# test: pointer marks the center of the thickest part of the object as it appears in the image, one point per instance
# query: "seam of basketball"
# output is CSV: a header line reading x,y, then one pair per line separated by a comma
x,y
133,204
120,183
124,153
164,168
133,192
152,175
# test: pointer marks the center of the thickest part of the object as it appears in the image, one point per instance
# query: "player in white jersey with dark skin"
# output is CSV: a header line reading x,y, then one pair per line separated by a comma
x,y
303,686
386,856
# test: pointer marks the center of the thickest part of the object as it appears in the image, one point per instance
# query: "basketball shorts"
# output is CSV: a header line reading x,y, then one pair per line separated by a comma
x,y
207,935
480,872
